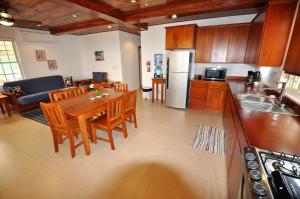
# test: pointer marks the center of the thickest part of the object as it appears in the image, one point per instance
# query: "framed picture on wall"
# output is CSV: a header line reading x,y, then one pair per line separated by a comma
x,y
40,55
52,64
99,55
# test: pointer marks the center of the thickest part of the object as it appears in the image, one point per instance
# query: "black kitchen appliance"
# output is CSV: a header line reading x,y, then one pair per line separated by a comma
x,y
253,76
270,175
215,73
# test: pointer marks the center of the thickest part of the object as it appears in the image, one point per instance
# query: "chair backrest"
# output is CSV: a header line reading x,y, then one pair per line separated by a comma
x,y
60,95
121,87
78,91
55,116
115,109
130,100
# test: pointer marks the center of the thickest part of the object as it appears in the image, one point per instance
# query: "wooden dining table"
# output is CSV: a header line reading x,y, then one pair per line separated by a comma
x,y
83,108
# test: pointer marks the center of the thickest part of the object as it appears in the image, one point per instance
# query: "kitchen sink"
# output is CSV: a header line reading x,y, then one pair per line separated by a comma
x,y
254,98
256,106
262,103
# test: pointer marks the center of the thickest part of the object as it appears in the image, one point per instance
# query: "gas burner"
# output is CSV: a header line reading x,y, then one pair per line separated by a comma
x,y
286,167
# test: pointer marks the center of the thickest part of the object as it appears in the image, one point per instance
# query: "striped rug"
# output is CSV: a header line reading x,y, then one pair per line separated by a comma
x,y
36,115
209,139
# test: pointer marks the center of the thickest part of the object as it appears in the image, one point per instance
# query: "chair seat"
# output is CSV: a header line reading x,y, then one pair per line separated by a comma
x,y
74,125
101,122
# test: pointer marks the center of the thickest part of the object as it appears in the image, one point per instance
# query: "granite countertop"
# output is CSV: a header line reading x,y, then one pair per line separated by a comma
x,y
269,131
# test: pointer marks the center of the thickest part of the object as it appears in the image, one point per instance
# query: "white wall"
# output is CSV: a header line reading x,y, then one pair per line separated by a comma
x,y
129,44
109,43
153,42
63,49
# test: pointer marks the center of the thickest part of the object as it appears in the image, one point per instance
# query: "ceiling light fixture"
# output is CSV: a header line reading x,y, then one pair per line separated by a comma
x,y
174,16
6,19
109,27
39,25
133,1
74,16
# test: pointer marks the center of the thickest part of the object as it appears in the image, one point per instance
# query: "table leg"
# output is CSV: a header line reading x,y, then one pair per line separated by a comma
x,y
2,109
156,91
6,107
85,134
153,91
162,93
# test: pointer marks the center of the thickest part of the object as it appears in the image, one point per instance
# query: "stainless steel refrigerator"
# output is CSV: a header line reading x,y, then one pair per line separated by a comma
x,y
178,72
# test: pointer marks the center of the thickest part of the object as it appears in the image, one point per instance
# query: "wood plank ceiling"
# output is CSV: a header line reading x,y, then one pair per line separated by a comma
x,y
81,17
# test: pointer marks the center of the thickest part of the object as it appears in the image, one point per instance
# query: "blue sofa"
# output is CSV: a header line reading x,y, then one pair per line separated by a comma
x,y
35,90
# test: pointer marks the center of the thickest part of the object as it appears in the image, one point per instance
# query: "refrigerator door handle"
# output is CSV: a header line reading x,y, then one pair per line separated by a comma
x,y
167,86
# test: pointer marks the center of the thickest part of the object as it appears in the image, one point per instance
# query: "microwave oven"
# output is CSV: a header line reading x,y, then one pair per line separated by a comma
x,y
215,73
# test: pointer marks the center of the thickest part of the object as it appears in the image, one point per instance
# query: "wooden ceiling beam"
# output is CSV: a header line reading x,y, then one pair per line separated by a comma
x,y
128,19
191,6
78,26
106,11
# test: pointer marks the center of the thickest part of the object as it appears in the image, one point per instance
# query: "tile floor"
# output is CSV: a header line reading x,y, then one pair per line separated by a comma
x,y
155,161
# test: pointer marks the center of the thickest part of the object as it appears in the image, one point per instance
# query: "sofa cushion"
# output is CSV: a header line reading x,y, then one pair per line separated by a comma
x,y
34,98
37,85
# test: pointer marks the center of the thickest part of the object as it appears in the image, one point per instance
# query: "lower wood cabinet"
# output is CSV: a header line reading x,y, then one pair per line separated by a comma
x,y
235,141
206,95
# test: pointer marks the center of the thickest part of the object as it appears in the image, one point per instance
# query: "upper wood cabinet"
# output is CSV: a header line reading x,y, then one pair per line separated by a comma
x,y
292,63
204,44
238,38
269,34
220,44
180,37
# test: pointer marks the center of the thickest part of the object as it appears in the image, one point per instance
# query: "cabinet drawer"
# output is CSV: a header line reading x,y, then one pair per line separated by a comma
x,y
198,84
197,103
198,92
218,85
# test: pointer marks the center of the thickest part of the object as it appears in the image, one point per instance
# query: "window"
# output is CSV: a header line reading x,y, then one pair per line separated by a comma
x,y
9,66
293,87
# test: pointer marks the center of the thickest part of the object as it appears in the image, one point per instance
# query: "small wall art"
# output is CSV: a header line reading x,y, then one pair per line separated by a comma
x,y
40,55
52,64
99,55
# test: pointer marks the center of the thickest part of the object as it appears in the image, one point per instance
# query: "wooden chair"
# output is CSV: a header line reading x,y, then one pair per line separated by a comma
x,y
121,87
130,107
78,91
115,116
59,95
60,125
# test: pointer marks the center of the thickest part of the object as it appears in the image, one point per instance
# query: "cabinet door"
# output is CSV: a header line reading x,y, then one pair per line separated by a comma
x,y
254,38
277,27
234,176
229,130
238,37
204,44
184,37
215,99
169,38
220,44
292,64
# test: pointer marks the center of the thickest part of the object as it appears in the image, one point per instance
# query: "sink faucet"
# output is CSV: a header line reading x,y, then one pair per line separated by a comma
x,y
279,100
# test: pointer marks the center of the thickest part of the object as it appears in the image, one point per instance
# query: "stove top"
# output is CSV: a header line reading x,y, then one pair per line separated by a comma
x,y
272,174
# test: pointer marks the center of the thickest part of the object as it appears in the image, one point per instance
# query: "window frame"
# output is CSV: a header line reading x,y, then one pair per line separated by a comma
x,y
18,61
292,93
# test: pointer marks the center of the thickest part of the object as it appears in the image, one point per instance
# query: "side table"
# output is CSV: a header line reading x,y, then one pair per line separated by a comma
x,y
4,105
155,83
